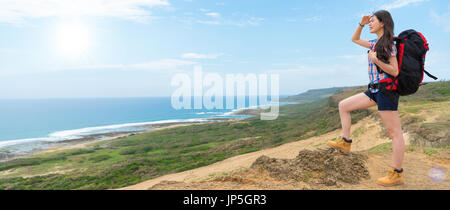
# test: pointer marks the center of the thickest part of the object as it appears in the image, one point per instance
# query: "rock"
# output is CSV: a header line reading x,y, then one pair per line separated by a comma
x,y
324,166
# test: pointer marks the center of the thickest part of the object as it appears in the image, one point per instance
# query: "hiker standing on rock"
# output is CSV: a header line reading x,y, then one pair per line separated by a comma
x,y
382,61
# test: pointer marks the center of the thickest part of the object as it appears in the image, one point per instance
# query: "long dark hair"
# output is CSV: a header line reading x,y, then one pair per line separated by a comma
x,y
384,45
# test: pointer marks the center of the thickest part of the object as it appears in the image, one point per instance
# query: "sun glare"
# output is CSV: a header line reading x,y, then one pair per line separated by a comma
x,y
73,39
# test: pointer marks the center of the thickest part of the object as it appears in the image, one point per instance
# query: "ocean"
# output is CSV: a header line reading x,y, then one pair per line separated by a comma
x,y
30,124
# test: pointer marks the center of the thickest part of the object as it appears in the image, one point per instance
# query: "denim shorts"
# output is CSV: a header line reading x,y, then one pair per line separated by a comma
x,y
384,103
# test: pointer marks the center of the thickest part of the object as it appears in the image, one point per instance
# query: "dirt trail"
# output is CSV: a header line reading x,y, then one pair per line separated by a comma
x,y
416,178
237,173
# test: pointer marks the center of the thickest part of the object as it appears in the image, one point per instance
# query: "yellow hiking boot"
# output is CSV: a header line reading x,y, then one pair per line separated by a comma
x,y
392,178
341,145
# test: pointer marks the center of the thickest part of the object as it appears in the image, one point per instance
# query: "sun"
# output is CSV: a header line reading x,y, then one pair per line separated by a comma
x,y
73,39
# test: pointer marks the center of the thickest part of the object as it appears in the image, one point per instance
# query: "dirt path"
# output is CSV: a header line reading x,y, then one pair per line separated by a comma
x,y
234,173
417,167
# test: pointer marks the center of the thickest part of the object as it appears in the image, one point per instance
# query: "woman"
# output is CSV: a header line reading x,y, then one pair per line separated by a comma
x,y
383,55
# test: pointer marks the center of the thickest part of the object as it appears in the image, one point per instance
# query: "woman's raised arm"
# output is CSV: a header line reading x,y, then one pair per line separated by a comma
x,y
356,36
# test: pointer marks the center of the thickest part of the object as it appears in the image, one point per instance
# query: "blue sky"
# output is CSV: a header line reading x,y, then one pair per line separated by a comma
x,y
133,48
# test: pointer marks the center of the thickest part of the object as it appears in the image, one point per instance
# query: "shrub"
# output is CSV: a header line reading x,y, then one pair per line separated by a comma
x,y
99,158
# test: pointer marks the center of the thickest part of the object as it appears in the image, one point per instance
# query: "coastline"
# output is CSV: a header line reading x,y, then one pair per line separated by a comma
x,y
86,140
94,138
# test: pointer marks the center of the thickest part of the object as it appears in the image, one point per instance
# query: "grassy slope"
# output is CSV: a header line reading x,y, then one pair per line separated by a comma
x,y
130,160
312,95
426,115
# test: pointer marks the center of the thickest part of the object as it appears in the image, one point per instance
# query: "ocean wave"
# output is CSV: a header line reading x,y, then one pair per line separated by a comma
x,y
203,113
20,141
83,132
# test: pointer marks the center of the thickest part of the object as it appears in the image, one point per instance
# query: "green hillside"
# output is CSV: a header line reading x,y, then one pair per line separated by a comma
x,y
129,160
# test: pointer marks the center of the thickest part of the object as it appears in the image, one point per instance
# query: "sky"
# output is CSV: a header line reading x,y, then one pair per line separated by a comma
x,y
133,48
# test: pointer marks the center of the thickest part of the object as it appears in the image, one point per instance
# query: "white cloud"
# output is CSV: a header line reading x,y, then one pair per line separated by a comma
x,y
18,11
314,19
305,77
437,64
322,70
242,21
200,56
252,21
400,3
441,20
214,18
213,14
164,64
208,22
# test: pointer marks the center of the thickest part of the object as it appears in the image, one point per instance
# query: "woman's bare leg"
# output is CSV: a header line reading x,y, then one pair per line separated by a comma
x,y
356,102
392,122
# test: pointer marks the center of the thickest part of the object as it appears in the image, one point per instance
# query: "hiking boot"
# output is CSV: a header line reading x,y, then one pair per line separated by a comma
x,y
341,145
392,178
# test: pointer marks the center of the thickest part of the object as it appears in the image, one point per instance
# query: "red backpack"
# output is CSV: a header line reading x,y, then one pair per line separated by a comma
x,y
412,48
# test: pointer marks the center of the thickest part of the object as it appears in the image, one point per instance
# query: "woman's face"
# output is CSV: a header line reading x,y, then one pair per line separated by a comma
x,y
375,25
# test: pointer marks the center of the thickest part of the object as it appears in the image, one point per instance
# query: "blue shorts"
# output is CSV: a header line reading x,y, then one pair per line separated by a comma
x,y
384,103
